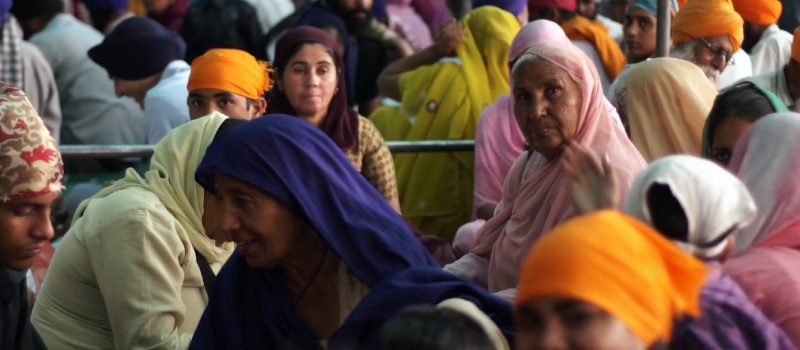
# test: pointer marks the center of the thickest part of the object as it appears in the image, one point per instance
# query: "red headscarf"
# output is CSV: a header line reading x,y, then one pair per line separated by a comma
x,y
341,121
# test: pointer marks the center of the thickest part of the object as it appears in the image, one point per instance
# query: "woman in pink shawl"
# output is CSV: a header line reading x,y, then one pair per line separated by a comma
x,y
498,140
766,159
558,99
406,22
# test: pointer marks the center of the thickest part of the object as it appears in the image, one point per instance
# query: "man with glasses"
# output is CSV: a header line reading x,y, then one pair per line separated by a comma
x,y
710,44
769,46
784,81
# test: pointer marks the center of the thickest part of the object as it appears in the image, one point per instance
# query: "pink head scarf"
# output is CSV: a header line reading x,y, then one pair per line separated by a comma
x,y
766,159
498,141
542,200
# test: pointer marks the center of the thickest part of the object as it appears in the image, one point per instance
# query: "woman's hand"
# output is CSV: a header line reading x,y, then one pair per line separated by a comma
x,y
593,183
448,37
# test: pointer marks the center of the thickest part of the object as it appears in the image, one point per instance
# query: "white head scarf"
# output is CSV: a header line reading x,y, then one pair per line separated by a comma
x,y
715,201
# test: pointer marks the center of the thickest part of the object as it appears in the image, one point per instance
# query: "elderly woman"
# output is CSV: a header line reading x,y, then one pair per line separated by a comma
x,y
442,98
667,103
134,268
322,261
310,84
619,287
557,101
734,111
766,160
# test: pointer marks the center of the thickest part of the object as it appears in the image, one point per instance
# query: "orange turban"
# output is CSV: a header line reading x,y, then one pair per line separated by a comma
x,y
230,70
796,45
681,3
620,265
760,12
692,22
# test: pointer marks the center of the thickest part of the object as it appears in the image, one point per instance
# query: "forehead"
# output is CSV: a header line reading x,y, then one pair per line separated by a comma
x,y
213,93
721,41
312,52
639,12
537,71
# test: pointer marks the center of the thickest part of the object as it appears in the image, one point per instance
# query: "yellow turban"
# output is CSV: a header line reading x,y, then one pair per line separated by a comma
x,y
761,12
620,265
230,70
706,18
796,45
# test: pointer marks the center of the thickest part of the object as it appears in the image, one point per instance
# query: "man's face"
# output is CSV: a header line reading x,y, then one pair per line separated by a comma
x,y
355,13
135,89
714,52
24,228
203,102
587,8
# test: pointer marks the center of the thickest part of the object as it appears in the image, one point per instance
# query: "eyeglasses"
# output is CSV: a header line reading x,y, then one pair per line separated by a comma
x,y
718,51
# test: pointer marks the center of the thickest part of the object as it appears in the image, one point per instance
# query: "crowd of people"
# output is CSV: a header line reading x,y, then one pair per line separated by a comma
x,y
613,200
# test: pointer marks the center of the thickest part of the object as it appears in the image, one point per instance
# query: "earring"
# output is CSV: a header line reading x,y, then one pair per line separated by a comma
x,y
335,91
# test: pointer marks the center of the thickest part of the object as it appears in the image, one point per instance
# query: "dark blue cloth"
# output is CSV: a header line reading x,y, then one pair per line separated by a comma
x,y
5,6
317,15
513,6
105,6
298,164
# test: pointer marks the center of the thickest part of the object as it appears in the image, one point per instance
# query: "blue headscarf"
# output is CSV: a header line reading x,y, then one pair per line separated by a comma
x,y
298,164
513,6
650,6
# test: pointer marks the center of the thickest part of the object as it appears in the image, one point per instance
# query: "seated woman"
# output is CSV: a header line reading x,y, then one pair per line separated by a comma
x,y
442,98
605,281
310,84
557,101
698,205
134,268
322,260
734,111
766,160
667,103
498,140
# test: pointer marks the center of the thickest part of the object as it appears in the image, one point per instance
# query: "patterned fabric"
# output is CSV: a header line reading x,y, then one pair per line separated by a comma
x,y
374,160
10,55
30,162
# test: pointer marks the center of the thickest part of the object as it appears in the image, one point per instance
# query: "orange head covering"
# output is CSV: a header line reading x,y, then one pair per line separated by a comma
x,y
796,45
760,12
230,70
681,3
692,22
584,29
620,265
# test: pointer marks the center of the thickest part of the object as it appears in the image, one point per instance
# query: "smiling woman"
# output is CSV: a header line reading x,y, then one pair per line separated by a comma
x,y
322,261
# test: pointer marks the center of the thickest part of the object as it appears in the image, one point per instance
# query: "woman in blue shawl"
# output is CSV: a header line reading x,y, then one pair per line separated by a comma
x,y
323,260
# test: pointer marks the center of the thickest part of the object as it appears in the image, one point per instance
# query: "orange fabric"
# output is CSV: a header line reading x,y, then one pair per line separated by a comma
x,y
582,28
760,12
619,264
230,70
681,3
796,45
707,18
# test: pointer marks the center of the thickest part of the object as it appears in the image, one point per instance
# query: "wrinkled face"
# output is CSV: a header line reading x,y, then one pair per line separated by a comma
x,y
309,81
135,89
24,228
212,214
715,54
265,231
587,8
547,105
157,7
640,34
203,102
726,134
557,323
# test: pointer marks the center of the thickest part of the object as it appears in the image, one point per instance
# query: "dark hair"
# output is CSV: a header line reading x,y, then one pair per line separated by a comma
x,y
744,101
431,328
227,125
667,214
279,70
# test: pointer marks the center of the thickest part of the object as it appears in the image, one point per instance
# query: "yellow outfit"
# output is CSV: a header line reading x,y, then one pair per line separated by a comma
x,y
125,276
443,101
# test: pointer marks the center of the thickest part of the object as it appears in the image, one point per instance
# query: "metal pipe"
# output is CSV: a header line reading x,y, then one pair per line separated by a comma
x,y
663,27
126,151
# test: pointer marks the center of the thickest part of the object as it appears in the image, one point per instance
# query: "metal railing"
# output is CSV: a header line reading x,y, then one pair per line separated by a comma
x,y
127,151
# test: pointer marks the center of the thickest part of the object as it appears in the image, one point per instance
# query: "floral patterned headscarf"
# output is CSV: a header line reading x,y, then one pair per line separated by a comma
x,y
30,162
